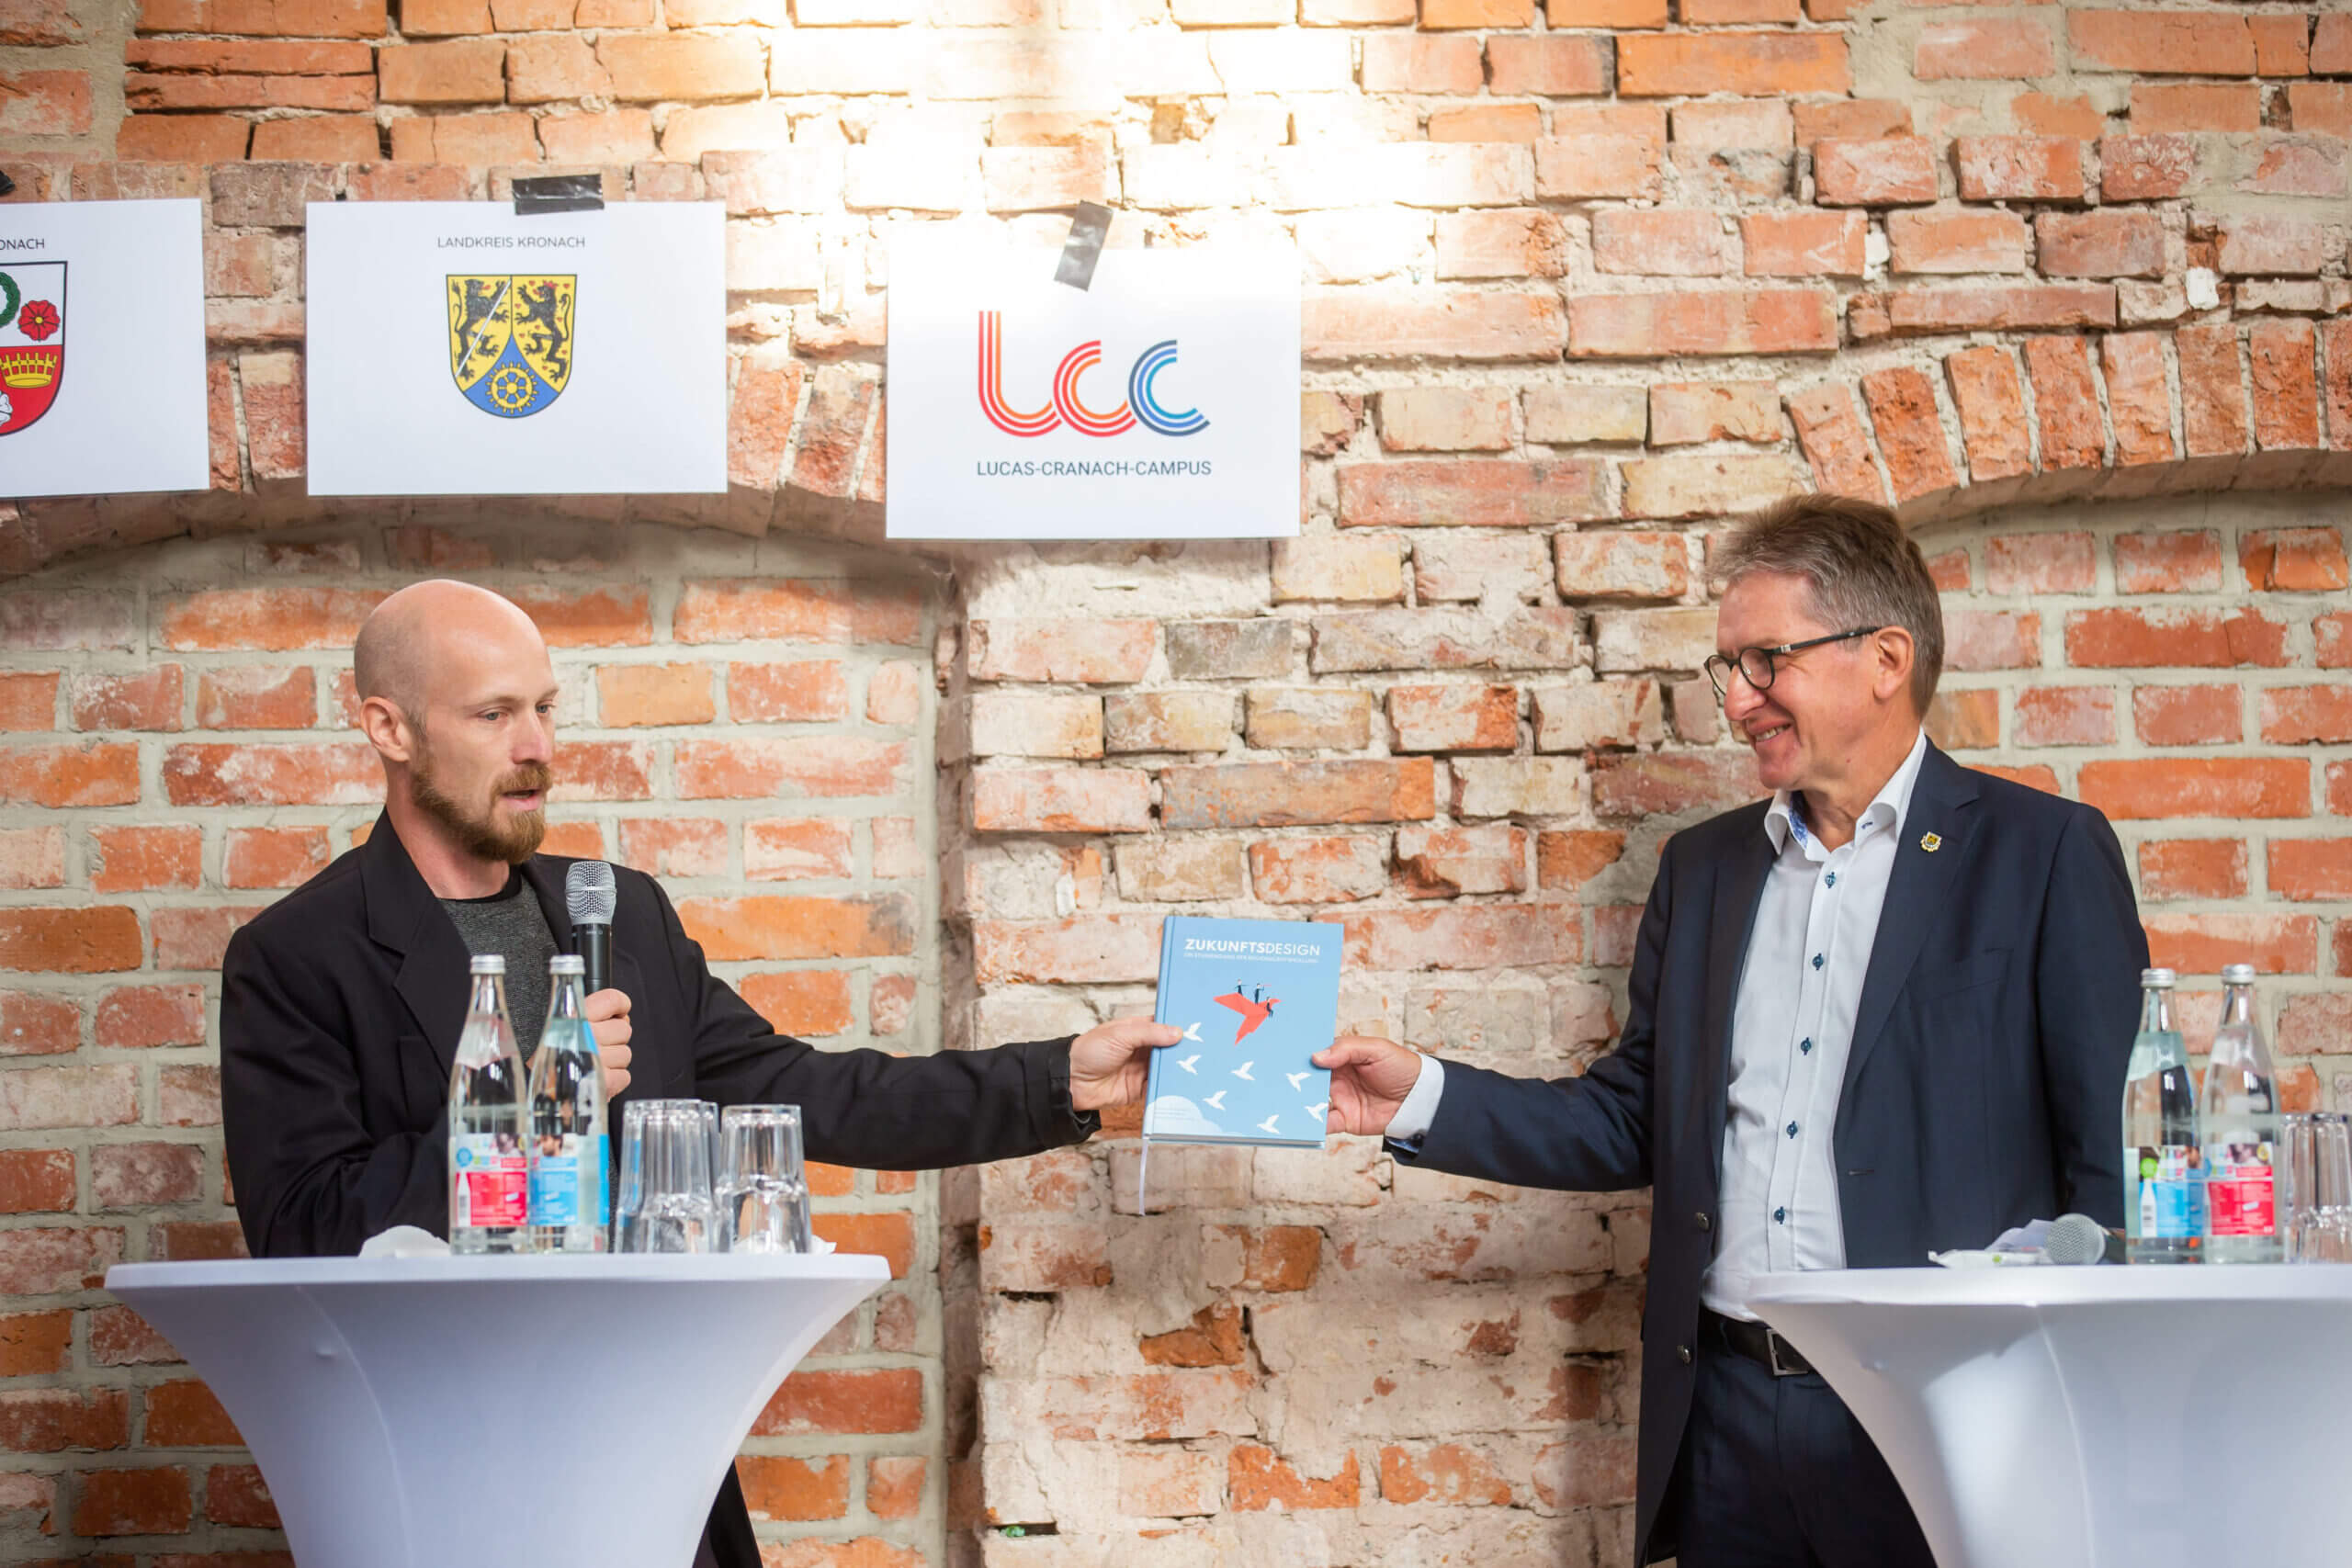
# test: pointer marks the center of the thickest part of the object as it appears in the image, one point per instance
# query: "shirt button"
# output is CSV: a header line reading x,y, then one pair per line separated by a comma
x,y
1818,961
1779,1216
1701,1220
1683,1352
1805,1046
1792,1129
1833,879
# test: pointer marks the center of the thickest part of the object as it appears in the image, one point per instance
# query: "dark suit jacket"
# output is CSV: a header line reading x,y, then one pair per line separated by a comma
x,y
1984,1086
340,1011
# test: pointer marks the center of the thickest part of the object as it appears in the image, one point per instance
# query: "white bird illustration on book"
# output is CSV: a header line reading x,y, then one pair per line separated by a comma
x,y
1216,1102
1267,1126
1187,1062
1296,1078
1192,1033
1242,1072
1318,1109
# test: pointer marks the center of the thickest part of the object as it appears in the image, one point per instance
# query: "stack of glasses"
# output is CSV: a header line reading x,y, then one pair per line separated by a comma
x,y
2318,1187
693,1180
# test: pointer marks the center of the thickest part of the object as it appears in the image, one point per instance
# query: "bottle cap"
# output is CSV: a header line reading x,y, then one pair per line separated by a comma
x,y
487,964
567,964
2157,978
2237,974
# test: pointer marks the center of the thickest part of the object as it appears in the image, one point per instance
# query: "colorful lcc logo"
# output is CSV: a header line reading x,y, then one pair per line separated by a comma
x,y
510,340
1140,407
32,342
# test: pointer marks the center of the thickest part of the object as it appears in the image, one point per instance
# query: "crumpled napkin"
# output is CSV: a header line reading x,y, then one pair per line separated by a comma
x,y
404,1241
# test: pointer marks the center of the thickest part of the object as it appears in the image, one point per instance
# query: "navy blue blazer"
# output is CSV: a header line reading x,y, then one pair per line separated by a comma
x,y
1982,1088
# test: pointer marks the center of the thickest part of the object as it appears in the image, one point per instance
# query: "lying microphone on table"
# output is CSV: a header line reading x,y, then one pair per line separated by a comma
x,y
589,893
2079,1238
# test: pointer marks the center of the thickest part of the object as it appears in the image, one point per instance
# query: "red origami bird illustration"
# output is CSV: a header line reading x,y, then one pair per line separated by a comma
x,y
1254,1010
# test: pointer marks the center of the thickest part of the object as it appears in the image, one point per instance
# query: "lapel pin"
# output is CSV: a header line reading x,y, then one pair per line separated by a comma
x,y
1931,842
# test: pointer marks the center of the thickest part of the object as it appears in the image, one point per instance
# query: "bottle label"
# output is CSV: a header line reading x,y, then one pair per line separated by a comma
x,y
2169,1201
568,1180
492,1186
2238,1189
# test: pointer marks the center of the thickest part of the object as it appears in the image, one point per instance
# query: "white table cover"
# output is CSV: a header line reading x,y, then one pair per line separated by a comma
x,y
2097,1417
450,1411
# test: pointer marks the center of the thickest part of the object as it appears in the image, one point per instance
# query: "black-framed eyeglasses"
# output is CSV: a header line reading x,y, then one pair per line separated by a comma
x,y
1759,665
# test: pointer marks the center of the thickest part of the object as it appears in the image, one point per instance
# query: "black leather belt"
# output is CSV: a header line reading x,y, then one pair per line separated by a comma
x,y
1754,1341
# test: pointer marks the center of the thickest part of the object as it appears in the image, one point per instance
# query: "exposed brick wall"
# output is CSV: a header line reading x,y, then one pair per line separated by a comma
x,y
751,723
1579,279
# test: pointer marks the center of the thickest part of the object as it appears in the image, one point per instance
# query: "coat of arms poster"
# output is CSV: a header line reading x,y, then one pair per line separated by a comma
x,y
102,348
461,348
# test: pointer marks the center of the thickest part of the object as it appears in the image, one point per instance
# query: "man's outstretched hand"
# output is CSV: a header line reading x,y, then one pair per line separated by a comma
x,y
1370,1078
1110,1063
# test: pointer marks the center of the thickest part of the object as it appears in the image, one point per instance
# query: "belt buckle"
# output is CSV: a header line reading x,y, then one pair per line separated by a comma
x,y
1773,1343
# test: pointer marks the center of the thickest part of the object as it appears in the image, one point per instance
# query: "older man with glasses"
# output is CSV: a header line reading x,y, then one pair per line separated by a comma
x,y
1883,1014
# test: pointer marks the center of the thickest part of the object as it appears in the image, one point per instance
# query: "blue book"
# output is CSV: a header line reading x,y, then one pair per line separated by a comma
x,y
1255,999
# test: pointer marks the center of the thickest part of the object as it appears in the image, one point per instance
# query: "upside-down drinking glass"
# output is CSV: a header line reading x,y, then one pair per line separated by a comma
x,y
665,1198
2318,1187
762,1191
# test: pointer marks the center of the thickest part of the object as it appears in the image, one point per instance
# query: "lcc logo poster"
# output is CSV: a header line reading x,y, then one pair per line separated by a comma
x,y
456,348
102,348
1160,403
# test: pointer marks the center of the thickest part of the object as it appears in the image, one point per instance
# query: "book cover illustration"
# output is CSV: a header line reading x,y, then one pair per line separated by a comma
x,y
1255,999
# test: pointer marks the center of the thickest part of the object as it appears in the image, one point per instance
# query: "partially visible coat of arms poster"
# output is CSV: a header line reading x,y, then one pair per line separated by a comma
x,y
102,348
461,348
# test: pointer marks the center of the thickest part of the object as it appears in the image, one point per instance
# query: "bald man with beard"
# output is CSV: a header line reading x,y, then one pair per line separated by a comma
x,y
341,1004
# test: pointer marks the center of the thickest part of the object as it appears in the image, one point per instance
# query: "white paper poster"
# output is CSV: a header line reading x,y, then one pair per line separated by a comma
x,y
1160,403
456,348
102,347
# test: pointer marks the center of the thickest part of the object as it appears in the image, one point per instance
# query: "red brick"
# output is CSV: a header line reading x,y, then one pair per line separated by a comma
x,y
689,67
2202,944
808,1004
63,778
2160,42
2332,635
2217,107
2212,403
1479,492
2303,716
125,1175
2309,869
72,942
1454,718
2105,244
787,610
189,1097
2144,789
197,1241
2065,715
1752,64
2026,564
2286,392
2017,48
1061,800
1948,241
1273,795
782,1488
1626,565
1088,652
595,618
2281,45
2193,868
2339,794
1446,419
1445,863
269,618
1509,243
886,1399
1418,62
154,1501
1595,165
2118,638
1488,122
28,699
32,857
2139,397
1910,431
1991,640
2188,716
1673,781
790,849
1990,397
36,1181
2146,168
51,1260
40,23
1802,245
35,1344
2332,45
799,692
1682,242
2188,561
258,697
273,857
1555,65
237,1494
1319,870
666,846
1439,323
2270,245
196,939
1829,426
477,140
1883,172
52,1420
1603,13
778,927
136,1017
205,774
1259,1478
44,103
2292,560
182,138
2020,168
2323,107
149,699
1277,1259
1991,308
2066,399
813,766
186,1414
1734,321
127,860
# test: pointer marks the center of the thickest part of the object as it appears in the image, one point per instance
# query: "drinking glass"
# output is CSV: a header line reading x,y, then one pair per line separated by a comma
x,y
2318,1187
665,1201
763,1192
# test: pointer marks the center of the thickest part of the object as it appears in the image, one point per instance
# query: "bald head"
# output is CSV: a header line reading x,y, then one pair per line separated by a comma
x,y
416,643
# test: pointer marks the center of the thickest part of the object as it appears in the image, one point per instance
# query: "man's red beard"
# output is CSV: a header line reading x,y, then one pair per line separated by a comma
x,y
481,832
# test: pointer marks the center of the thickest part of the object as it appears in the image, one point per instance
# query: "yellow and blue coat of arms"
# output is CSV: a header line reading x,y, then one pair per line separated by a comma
x,y
510,339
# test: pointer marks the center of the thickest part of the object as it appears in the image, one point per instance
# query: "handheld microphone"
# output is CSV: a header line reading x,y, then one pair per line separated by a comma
x,y
2079,1238
589,893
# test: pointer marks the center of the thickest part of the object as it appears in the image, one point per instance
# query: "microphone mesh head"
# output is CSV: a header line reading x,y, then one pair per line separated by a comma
x,y
589,893
2075,1238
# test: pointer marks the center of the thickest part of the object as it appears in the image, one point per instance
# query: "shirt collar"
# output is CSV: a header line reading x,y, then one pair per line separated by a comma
x,y
1783,820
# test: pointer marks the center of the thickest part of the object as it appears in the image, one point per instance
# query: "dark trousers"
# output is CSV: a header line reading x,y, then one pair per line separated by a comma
x,y
1775,1472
